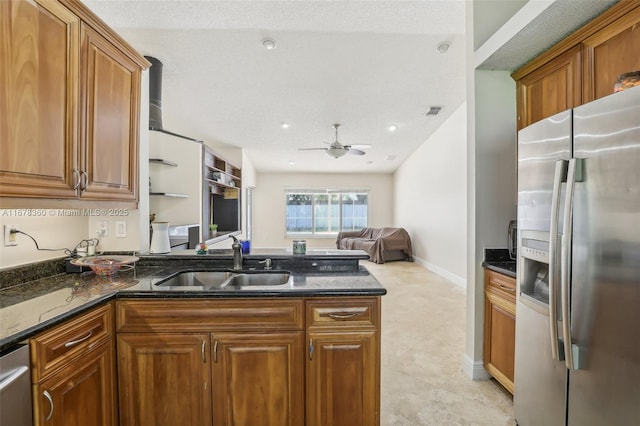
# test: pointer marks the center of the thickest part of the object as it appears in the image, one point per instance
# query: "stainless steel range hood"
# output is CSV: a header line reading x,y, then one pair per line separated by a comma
x,y
155,99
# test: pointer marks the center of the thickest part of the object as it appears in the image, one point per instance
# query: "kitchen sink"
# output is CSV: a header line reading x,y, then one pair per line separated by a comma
x,y
198,279
221,279
259,278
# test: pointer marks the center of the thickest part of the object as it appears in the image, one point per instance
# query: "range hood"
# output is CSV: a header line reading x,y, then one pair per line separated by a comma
x,y
155,99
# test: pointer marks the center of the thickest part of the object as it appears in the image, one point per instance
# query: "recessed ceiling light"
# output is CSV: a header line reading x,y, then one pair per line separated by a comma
x,y
285,125
392,128
291,163
443,47
269,44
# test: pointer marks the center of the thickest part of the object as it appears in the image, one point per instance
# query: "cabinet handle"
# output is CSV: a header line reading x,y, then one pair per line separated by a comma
x,y
204,345
76,179
343,316
48,396
215,351
80,340
504,287
84,179
311,349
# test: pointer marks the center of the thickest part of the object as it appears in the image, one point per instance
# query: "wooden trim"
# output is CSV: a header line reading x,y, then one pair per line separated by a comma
x,y
609,16
107,32
500,377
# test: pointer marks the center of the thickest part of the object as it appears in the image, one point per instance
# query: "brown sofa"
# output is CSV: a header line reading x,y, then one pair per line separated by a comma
x,y
382,244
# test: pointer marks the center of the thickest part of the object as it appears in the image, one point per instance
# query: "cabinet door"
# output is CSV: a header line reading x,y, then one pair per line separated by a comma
x,y
82,393
110,122
343,379
610,52
39,46
258,379
164,379
500,327
550,89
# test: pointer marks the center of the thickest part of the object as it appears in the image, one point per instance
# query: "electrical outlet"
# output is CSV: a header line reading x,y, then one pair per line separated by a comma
x,y
121,229
103,228
9,236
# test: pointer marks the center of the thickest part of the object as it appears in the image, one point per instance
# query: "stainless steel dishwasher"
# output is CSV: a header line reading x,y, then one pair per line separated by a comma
x,y
15,387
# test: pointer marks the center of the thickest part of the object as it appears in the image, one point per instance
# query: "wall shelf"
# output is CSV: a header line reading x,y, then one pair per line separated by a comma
x,y
161,161
168,194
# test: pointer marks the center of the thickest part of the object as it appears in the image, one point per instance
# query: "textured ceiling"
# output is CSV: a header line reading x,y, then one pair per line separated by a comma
x,y
364,64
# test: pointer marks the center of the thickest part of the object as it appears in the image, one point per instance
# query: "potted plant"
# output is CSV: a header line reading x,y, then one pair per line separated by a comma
x,y
213,230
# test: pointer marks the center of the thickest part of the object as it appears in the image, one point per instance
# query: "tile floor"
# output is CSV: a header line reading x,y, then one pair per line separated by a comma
x,y
423,333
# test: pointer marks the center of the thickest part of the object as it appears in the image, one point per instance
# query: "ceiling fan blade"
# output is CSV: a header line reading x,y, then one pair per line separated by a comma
x,y
359,146
312,149
356,151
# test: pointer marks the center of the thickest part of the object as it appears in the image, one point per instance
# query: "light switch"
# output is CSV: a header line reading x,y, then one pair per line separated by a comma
x,y
121,229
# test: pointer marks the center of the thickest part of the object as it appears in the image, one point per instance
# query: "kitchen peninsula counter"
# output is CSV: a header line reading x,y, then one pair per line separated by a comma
x,y
29,308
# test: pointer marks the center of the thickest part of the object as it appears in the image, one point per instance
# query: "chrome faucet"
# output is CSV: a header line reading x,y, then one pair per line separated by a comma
x,y
237,254
267,264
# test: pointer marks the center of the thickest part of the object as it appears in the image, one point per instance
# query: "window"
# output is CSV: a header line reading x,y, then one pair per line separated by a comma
x,y
326,212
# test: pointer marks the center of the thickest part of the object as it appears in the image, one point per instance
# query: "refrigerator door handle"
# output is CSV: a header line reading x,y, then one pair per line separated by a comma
x,y
553,249
565,264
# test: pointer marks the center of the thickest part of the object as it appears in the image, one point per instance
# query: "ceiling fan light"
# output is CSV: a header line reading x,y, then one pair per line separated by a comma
x,y
336,152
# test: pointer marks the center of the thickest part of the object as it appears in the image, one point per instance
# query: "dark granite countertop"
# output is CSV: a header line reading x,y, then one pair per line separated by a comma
x,y
28,308
498,260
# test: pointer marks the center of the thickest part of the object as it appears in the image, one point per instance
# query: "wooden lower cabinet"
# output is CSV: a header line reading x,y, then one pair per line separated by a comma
x,y
73,371
342,379
164,379
81,394
258,379
242,362
500,327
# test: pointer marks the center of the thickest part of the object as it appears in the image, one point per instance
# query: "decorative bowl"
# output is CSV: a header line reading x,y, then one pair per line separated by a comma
x,y
627,80
104,265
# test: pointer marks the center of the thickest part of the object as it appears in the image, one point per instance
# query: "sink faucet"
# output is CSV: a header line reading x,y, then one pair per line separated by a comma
x,y
237,254
267,264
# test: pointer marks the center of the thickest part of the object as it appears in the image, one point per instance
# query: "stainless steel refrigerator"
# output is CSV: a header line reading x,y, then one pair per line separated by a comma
x,y
578,304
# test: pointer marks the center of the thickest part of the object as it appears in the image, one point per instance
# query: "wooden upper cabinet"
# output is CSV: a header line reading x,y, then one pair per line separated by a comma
x,y
612,51
582,67
69,110
39,49
550,89
111,93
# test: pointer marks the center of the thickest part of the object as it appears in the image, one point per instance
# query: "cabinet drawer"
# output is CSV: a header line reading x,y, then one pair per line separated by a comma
x,y
503,284
173,315
336,312
56,347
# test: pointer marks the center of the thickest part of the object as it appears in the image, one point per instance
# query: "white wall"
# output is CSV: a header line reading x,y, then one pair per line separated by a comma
x,y
494,188
269,219
430,201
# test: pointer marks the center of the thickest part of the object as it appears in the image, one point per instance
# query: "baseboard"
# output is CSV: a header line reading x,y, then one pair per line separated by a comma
x,y
474,369
457,280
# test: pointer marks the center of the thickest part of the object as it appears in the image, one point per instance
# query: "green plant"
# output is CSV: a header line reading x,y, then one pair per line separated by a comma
x,y
213,227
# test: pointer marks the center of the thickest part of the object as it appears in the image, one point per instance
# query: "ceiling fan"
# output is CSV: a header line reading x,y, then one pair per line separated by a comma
x,y
337,150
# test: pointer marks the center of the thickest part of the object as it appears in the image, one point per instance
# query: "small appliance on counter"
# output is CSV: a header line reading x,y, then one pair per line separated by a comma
x,y
160,238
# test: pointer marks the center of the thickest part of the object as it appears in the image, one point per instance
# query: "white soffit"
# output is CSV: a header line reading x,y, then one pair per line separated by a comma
x,y
536,27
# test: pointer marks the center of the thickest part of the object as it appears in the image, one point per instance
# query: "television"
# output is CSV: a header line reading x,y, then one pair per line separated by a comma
x,y
223,210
